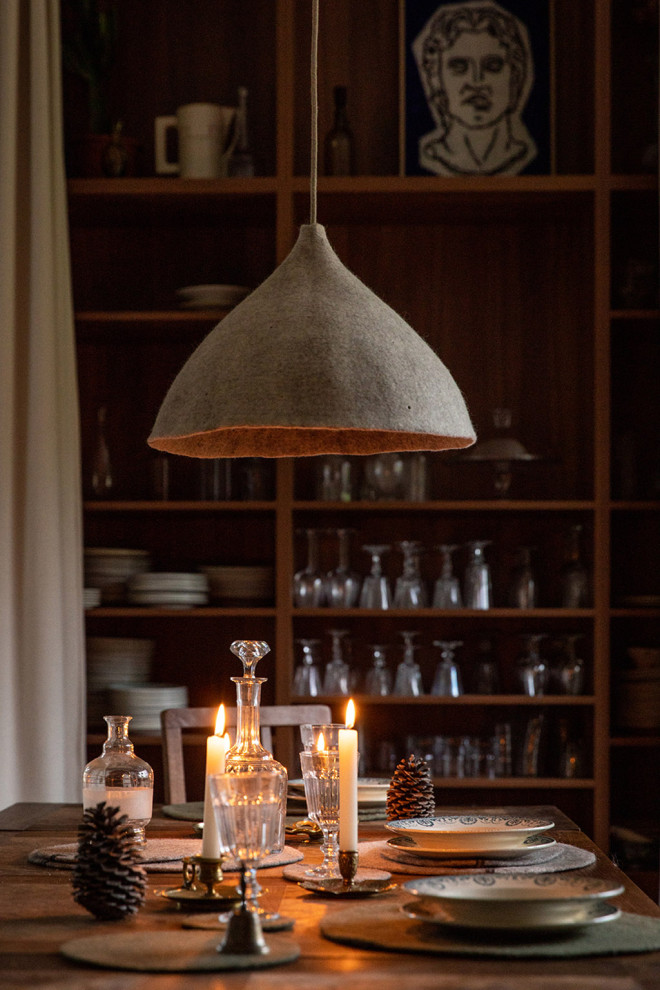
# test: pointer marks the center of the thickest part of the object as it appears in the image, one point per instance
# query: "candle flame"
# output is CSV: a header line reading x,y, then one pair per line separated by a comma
x,y
220,721
320,743
227,740
350,714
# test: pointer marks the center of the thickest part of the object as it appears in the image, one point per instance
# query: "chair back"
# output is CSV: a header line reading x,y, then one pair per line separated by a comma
x,y
174,720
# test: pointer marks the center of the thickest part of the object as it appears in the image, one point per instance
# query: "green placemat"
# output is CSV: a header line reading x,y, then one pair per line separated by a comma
x,y
382,925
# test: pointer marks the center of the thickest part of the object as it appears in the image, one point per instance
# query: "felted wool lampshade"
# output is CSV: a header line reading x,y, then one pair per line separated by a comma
x,y
311,362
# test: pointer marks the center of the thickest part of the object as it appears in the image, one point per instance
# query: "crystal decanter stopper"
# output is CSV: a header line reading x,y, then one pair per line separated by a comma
x,y
247,755
120,778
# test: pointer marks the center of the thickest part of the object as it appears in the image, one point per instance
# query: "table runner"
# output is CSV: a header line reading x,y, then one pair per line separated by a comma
x,y
382,925
160,856
379,855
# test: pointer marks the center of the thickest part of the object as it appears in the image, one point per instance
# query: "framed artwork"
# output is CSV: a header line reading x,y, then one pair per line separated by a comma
x,y
476,87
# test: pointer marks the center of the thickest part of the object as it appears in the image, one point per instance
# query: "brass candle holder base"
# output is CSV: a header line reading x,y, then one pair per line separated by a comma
x,y
348,864
202,885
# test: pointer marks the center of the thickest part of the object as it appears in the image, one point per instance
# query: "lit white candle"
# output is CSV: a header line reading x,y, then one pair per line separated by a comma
x,y
216,750
348,783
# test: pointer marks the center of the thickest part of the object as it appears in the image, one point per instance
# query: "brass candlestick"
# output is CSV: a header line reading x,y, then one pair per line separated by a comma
x,y
348,864
202,885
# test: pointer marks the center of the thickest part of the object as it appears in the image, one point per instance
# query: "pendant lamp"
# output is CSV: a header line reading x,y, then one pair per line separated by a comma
x,y
311,362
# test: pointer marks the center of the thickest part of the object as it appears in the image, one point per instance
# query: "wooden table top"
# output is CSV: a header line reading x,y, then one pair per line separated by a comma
x,y
38,914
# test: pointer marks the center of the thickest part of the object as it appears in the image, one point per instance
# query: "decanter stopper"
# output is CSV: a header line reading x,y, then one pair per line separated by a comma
x,y
247,755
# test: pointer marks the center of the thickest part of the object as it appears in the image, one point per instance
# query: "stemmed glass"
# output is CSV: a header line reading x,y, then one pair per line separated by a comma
x,y
309,584
409,590
379,679
376,592
447,682
307,677
533,670
408,675
249,812
447,589
320,770
337,672
343,584
478,586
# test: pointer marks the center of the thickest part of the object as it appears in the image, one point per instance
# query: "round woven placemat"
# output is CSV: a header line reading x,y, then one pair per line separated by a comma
x,y
384,926
379,855
173,952
159,856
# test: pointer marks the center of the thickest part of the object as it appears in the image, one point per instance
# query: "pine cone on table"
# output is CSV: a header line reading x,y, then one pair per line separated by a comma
x,y
410,794
108,880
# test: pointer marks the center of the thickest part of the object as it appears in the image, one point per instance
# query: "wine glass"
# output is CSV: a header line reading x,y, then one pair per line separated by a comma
x,y
343,584
307,676
384,476
249,812
522,589
447,589
408,675
533,670
320,770
478,586
447,682
409,590
309,583
337,672
379,678
376,592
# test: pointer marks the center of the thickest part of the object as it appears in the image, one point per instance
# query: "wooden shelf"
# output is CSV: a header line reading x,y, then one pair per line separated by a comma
x,y
485,700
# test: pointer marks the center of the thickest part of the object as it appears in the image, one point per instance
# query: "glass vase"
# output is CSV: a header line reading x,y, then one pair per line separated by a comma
x,y
120,778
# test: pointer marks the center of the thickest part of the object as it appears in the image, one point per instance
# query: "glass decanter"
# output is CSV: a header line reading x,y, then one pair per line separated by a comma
x,y
120,778
247,755
447,589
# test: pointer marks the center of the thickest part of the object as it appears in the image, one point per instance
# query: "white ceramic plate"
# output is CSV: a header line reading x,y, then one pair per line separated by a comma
x,y
500,889
588,913
459,833
531,844
372,792
200,296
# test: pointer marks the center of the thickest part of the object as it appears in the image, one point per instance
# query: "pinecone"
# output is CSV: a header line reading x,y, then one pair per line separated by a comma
x,y
108,878
410,794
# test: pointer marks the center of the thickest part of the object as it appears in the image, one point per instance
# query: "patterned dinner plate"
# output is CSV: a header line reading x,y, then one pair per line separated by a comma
x,y
516,918
531,844
470,834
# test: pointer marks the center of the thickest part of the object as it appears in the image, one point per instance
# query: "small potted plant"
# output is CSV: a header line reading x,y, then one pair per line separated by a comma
x,y
89,44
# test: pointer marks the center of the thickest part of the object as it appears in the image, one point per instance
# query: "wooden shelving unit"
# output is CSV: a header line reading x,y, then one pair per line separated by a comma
x,y
515,281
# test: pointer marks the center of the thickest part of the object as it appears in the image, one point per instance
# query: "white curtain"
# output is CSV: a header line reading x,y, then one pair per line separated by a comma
x,y
42,711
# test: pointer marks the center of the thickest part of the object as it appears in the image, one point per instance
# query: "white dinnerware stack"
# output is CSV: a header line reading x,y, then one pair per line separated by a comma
x,y
91,598
168,589
112,660
240,583
145,702
110,568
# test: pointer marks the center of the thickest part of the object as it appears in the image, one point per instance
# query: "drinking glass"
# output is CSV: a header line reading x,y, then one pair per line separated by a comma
x,y
447,589
379,678
337,672
307,677
447,682
570,672
343,584
532,668
384,476
334,479
320,770
478,586
409,590
310,735
486,674
522,589
376,592
309,583
408,674
249,812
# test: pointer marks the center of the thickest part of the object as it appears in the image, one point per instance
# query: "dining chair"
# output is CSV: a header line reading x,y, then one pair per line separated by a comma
x,y
272,717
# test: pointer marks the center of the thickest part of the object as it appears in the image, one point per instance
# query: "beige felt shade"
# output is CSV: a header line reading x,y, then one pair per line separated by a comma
x,y
311,362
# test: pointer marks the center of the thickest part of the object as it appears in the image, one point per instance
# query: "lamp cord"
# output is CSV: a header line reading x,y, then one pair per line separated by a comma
x,y
314,163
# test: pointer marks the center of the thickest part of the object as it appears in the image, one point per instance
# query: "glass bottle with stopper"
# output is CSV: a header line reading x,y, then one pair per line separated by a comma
x,y
120,778
339,144
247,755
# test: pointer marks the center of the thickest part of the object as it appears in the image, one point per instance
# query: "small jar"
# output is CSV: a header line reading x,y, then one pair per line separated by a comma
x,y
120,778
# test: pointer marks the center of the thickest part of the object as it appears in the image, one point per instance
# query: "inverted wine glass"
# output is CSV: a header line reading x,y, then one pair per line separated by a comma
x,y
408,674
379,678
342,583
447,682
307,680
376,592
309,590
447,588
409,590
336,679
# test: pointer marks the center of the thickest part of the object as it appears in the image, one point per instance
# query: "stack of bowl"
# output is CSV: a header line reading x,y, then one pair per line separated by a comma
x,y
242,583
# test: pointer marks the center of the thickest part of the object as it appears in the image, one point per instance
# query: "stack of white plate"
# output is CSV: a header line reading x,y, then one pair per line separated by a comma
x,y
168,588
111,660
240,583
109,568
471,835
211,296
145,702
552,902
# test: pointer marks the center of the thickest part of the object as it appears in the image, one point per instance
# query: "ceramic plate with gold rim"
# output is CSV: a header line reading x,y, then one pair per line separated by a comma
x,y
475,851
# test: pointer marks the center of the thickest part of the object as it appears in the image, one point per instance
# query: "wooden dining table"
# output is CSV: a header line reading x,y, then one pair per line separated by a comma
x,y
38,915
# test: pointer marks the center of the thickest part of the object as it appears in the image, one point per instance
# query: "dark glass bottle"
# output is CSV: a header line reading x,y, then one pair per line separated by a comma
x,y
339,145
